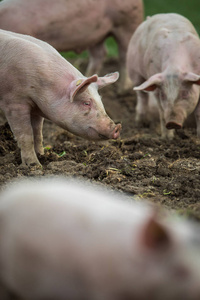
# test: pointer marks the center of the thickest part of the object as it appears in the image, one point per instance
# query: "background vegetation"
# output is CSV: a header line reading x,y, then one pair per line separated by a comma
x,y
188,8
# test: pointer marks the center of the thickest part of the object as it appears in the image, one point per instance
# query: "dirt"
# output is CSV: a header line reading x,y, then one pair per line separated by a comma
x,y
140,163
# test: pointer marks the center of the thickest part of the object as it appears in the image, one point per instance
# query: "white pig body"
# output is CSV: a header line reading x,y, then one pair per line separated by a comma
x,y
163,58
64,239
37,82
75,25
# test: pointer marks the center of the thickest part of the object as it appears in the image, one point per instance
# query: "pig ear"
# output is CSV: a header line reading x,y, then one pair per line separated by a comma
x,y
192,77
155,235
80,85
107,79
151,84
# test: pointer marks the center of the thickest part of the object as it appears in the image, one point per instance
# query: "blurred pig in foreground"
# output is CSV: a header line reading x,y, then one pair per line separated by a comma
x,y
37,83
64,239
163,59
76,25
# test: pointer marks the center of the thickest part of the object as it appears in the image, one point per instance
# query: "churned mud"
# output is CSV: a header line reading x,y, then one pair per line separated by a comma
x,y
139,164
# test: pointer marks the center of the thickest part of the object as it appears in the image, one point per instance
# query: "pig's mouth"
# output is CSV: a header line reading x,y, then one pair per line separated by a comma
x,y
94,134
103,137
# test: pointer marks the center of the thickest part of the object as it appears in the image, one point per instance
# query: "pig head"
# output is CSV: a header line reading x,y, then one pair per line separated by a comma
x,y
166,65
177,96
37,83
87,117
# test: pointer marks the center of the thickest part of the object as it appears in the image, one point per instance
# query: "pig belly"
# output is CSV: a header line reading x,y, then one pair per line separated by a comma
x,y
79,41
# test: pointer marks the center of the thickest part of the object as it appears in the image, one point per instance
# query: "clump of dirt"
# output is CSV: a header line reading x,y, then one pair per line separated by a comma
x,y
139,164
7,142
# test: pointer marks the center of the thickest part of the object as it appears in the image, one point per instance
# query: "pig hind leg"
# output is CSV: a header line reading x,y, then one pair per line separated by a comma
x,y
21,127
37,125
97,56
125,83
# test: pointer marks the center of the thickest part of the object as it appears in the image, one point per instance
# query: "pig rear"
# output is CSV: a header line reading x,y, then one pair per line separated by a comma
x,y
63,239
163,60
37,83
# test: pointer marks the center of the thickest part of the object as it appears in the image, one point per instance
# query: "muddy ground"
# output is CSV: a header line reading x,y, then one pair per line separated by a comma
x,y
139,164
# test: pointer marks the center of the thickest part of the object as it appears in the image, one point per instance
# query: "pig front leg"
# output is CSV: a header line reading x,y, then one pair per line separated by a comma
x,y
22,129
165,133
97,55
142,109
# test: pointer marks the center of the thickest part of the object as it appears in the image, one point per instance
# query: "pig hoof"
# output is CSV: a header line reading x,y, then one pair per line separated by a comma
x,y
168,135
30,163
40,151
26,166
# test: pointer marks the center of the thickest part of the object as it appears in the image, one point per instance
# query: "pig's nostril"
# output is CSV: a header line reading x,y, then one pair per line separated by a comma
x,y
173,125
116,131
118,127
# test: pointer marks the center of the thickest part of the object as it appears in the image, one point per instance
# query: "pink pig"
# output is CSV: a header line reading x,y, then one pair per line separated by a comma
x,y
163,59
62,239
37,83
76,25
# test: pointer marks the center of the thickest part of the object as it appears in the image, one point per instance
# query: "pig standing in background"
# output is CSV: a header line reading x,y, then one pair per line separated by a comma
x,y
164,59
64,239
36,83
76,25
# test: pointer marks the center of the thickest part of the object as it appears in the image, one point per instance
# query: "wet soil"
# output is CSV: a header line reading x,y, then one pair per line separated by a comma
x,y
139,164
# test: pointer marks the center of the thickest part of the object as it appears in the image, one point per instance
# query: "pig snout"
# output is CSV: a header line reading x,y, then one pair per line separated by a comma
x,y
173,125
111,133
175,119
116,131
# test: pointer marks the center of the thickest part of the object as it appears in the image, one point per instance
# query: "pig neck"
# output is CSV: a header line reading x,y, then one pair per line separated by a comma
x,y
178,61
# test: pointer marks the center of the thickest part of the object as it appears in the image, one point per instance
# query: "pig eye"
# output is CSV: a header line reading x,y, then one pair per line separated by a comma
x,y
87,103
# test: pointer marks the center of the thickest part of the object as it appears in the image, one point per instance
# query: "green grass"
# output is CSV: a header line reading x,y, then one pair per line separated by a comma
x,y
72,54
188,8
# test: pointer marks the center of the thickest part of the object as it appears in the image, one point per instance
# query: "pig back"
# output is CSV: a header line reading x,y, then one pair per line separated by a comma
x,y
155,38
